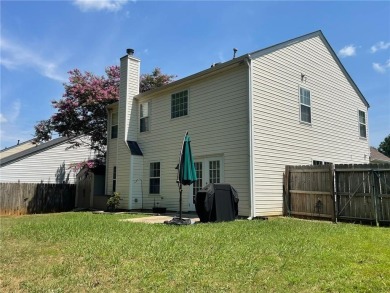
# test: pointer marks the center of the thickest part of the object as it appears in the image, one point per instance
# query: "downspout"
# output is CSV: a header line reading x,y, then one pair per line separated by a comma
x,y
251,164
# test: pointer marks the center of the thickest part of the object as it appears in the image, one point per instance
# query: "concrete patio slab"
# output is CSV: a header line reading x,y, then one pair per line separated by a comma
x,y
159,219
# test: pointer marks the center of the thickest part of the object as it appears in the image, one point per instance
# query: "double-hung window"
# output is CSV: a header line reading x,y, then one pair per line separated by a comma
x,y
362,124
179,104
305,103
114,125
144,117
154,178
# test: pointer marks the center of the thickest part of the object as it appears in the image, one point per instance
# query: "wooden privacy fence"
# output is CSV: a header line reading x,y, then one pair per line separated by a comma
x,y
338,192
31,198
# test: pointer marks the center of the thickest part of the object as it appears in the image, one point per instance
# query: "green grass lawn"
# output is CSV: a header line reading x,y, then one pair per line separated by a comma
x,y
85,252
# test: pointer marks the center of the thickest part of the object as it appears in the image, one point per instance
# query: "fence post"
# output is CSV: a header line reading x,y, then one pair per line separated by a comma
x,y
332,193
287,203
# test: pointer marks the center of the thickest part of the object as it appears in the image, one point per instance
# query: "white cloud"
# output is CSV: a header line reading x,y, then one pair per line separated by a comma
x,y
2,118
15,56
12,114
381,68
110,5
348,51
380,46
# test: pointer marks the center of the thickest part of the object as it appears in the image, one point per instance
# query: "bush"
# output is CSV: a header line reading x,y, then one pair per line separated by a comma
x,y
113,202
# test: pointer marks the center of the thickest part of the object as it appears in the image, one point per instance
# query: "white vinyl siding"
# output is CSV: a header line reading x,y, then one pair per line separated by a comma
x,y
278,139
127,126
49,166
218,127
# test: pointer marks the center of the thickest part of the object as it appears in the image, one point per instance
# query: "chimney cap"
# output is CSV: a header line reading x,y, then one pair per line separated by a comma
x,y
130,52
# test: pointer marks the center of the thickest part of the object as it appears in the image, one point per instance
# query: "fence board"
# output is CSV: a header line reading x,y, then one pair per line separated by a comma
x,y
31,198
349,192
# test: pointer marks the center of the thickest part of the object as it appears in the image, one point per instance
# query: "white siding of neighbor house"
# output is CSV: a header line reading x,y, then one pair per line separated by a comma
x,y
217,123
280,138
128,88
51,165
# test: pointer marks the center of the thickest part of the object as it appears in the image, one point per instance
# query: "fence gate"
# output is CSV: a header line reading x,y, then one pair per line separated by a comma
x,y
363,192
308,191
339,192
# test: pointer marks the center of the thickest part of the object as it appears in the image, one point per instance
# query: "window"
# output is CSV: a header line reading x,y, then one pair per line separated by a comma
x,y
154,181
362,124
214,172
317,163
304,95
114,179
179,104
198,183
114,125
144,117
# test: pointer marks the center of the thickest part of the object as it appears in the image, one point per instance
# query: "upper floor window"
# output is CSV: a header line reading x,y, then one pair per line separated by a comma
x,y
362,124
304,96
179,104
144,117
114,125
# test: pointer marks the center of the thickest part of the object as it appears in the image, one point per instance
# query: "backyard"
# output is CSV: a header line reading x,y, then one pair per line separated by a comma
x,y
83,252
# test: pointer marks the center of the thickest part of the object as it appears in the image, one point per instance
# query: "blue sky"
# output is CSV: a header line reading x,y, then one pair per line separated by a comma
x,y
42,40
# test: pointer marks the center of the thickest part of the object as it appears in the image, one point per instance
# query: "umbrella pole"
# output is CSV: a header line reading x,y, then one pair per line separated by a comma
x,y
181,199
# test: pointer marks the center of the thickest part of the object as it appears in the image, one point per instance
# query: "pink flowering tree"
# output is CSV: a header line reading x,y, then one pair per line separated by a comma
x,y
81,112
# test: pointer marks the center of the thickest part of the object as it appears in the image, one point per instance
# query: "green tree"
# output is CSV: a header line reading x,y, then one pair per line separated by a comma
x,y
384,146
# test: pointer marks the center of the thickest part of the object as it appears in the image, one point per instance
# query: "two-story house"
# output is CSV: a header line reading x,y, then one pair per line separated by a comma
x,y
290,104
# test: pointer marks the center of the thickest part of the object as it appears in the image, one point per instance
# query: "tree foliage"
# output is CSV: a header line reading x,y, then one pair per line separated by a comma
x,y
82,109
154,80
384,146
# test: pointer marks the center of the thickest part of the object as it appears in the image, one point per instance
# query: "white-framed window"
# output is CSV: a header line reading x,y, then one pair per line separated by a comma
x,y
215,171
362,124
114,179
305,105
198,184
144,117
154,178
114,125
179,104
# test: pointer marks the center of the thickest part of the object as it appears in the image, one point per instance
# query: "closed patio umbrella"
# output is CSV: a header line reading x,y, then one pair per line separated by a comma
x,y
186,175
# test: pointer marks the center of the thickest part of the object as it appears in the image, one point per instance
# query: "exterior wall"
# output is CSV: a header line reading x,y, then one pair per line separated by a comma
x,y
280,138
49,166
218,126
136,187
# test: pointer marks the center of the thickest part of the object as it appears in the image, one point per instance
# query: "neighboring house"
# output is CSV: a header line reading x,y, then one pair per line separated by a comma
x,y
377,157
289,104
20,146
44,163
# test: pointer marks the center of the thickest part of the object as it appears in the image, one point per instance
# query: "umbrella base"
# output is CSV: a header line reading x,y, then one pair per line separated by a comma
x,y
178,221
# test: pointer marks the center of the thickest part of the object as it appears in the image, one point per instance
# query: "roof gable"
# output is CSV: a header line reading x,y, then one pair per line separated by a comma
x,y
315,34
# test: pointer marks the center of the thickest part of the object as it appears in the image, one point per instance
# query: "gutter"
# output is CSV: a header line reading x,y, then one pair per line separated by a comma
x,y
251,164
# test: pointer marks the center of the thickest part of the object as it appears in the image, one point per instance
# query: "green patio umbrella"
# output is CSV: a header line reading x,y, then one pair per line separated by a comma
x,y
186,175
